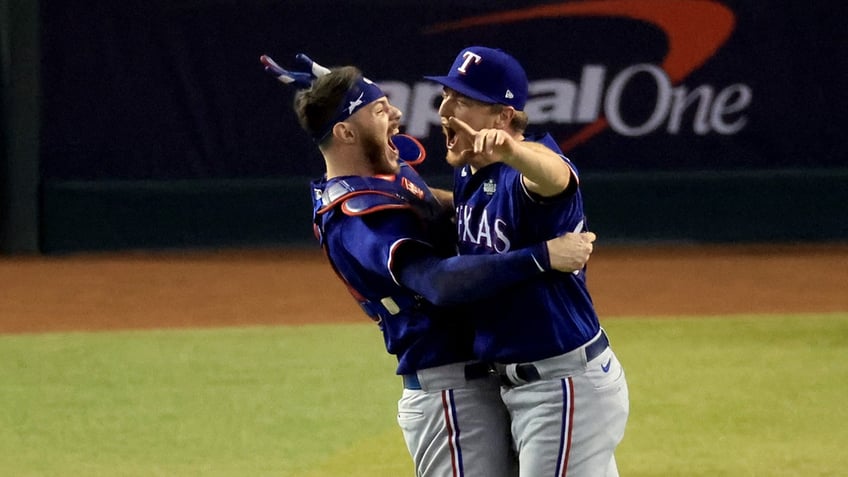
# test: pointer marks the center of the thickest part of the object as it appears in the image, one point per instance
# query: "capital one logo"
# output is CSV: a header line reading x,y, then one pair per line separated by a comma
x,y
695,30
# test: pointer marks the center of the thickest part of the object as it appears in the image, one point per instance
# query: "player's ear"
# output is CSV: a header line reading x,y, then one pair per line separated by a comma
x,y
504,117
343,131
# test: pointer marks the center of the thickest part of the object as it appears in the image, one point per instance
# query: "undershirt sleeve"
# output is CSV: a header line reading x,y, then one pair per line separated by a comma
x,y
465,278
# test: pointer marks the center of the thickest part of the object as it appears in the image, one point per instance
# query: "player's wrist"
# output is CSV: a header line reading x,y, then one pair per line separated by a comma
x,y
511,155
541,256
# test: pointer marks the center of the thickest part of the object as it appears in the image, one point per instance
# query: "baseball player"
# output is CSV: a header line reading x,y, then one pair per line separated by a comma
x,y
563,386
391,243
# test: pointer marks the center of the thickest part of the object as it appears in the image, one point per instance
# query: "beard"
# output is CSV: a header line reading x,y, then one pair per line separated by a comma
x,y
375,154
455,158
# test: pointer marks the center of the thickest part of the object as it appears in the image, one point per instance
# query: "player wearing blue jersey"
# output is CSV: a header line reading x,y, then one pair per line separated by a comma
x,y
563,386
389,239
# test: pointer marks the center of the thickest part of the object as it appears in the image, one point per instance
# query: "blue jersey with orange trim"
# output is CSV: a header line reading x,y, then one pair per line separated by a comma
x,y
361,221
543,317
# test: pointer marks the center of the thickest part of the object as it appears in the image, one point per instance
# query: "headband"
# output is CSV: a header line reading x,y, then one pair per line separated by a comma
x,y
362,93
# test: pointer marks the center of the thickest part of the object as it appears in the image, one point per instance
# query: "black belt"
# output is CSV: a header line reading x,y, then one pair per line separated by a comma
x,y
472,371
529,373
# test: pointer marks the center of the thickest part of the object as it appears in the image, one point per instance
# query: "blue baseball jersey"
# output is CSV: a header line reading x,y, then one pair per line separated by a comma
x,y
361,222
548,315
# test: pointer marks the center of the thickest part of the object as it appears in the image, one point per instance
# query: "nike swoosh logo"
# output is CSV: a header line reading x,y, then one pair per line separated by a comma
x,y
606,367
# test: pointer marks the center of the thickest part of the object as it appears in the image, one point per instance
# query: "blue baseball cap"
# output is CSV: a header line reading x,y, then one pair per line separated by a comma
x,y
487,74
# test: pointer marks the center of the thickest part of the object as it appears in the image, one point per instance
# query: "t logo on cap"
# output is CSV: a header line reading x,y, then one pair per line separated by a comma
x,y
469,57
488,75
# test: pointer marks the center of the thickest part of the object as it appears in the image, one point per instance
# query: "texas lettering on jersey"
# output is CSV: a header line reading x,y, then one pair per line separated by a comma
x,y
482,229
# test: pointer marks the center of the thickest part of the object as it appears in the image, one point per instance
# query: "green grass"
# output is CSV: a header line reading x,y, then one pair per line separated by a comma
x,y
748,396
260,401
740,396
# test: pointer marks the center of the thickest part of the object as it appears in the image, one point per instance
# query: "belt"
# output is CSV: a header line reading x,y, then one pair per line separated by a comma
x,y
472,371
529,372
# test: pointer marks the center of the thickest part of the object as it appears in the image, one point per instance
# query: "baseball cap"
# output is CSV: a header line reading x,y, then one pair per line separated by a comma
x,y
487,74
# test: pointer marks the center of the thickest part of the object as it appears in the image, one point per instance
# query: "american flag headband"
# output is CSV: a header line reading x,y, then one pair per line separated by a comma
x,y
362,93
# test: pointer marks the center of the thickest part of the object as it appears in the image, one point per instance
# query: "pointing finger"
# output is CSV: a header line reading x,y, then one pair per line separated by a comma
x,y
459,125
479,140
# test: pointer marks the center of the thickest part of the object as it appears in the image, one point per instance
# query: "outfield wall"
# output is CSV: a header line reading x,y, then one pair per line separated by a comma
x,y
782,206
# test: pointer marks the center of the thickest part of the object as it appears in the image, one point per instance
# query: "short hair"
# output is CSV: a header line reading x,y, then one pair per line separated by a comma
x,y
317,106
519,121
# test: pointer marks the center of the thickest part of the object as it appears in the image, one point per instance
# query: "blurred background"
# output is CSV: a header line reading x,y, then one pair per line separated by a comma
x,y
151,124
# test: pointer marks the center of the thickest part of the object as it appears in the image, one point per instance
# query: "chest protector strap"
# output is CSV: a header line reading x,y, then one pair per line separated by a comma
x,y
364,195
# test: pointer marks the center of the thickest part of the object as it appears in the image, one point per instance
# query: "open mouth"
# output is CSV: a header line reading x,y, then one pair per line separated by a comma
x,y
392,132
450,136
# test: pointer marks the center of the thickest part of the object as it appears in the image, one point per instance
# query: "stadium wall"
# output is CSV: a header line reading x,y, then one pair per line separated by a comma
x,y
764,206
150,124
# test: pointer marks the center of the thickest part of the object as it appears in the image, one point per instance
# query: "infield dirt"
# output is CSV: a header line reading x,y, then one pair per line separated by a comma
x,y
290,287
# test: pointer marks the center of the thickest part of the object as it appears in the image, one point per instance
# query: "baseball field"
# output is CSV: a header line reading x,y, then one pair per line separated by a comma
x,y
259,364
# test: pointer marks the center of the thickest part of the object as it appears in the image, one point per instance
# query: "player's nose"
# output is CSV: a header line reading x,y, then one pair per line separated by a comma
x,y
395,113
446,107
